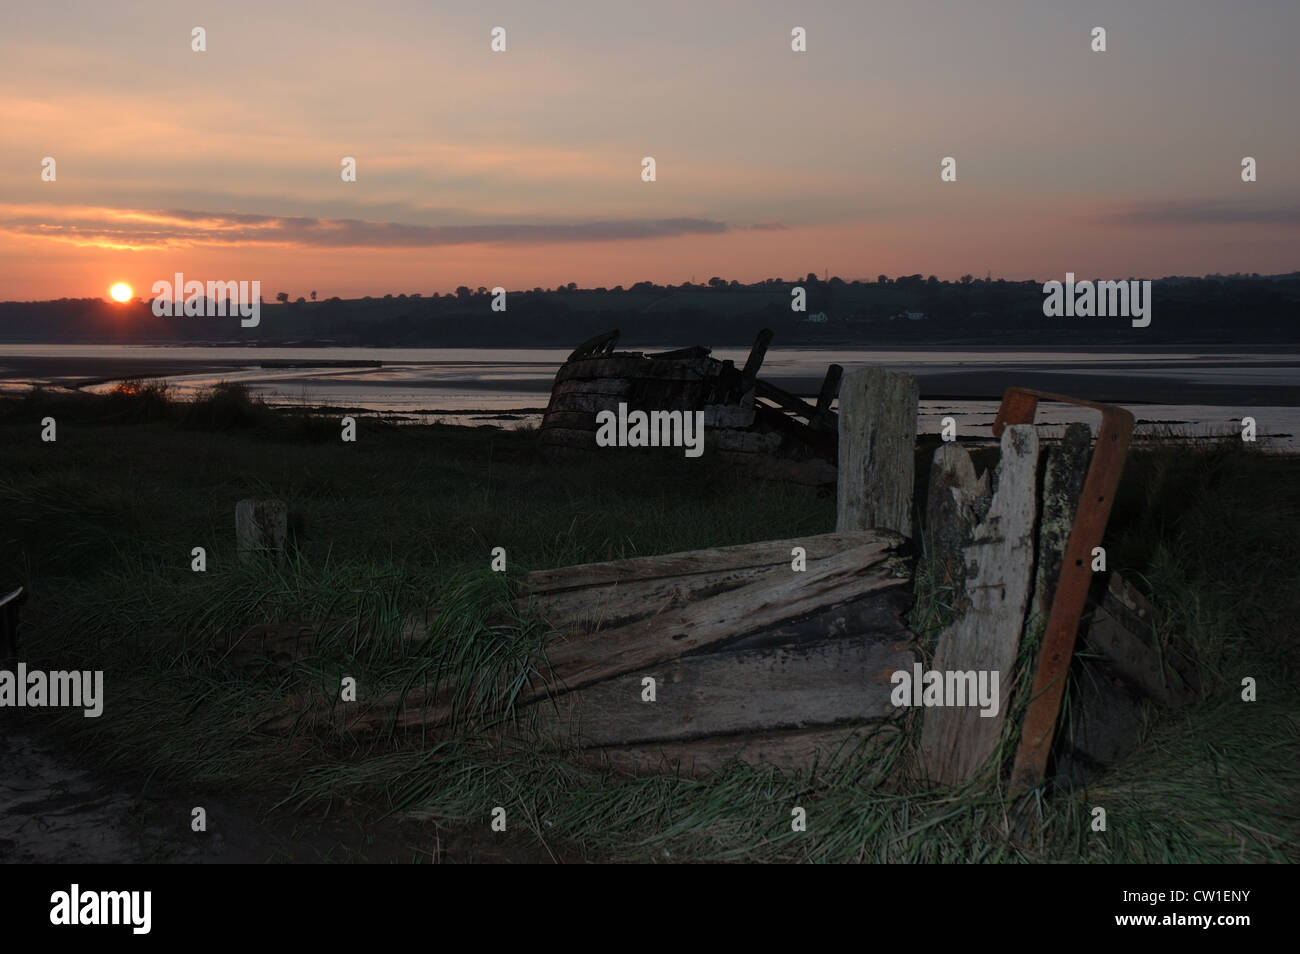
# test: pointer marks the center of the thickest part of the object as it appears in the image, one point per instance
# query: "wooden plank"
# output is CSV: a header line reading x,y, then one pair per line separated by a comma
x,y
829,683
1122,632
830,388
612,386
793,750
766,553
603,343
1067,462
825,418
877,437
854,572
876,613
956,501
576,402
757,353
784,399
957,741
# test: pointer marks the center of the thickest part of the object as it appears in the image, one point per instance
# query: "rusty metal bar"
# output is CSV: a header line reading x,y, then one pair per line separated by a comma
x,y
1019,406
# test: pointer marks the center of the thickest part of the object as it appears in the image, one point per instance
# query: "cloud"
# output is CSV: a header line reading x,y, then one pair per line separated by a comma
x,y
1202,212
183,228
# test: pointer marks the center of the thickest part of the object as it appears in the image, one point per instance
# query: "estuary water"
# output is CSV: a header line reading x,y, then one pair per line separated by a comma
x,y
1189,393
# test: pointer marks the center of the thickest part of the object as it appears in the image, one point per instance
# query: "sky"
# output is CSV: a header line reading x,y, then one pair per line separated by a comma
x,y
523,168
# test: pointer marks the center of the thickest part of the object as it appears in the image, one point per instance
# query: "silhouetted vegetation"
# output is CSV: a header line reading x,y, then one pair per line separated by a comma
x,y
1241,310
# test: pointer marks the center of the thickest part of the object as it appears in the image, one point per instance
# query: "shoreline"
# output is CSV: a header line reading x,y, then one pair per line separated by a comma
x,y
947,381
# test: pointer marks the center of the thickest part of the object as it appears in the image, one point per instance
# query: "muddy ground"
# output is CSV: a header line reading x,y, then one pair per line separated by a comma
x,y
53,811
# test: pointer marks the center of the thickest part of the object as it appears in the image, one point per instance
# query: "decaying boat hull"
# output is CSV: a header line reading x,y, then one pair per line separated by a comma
x,y
747,421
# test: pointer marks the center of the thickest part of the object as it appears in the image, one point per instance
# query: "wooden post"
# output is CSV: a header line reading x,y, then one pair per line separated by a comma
x,y
261,527
877,444
996,569
825,417
756,356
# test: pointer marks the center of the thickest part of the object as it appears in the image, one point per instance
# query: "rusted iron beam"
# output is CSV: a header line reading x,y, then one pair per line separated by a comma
x,y
1019,406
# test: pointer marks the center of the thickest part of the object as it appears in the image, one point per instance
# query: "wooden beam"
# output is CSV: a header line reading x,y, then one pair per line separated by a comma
x,y
877,437
828,683
757,353
765,554
790,750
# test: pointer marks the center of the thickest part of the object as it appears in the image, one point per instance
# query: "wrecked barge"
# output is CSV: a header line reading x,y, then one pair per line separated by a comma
x,y
747,421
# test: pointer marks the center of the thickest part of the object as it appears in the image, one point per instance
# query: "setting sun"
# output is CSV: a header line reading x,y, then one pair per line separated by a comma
x,y
120,292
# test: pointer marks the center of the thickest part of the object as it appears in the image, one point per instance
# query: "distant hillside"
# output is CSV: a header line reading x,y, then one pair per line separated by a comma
x,y
1233,310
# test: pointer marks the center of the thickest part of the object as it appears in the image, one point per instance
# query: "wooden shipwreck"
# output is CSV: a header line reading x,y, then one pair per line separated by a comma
x,y
747,420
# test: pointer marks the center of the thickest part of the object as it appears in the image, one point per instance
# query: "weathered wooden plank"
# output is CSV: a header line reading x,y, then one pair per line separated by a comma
x,y
790,751
783,398
586,609
830,388
828,683
603,343
757,353
575,402
825,419
877,613
956,501
1067,463
957,741
851,573
877,434
1122,631
766,553
611,386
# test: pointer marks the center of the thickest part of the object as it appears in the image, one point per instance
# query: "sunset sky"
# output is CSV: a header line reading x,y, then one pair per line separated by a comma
x,y
523,168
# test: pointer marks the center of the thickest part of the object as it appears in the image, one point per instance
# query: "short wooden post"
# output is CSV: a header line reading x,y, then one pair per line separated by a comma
x,y
261,527
877,444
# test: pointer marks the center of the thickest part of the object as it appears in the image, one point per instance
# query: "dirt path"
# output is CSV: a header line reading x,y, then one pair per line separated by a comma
x,y
53,811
